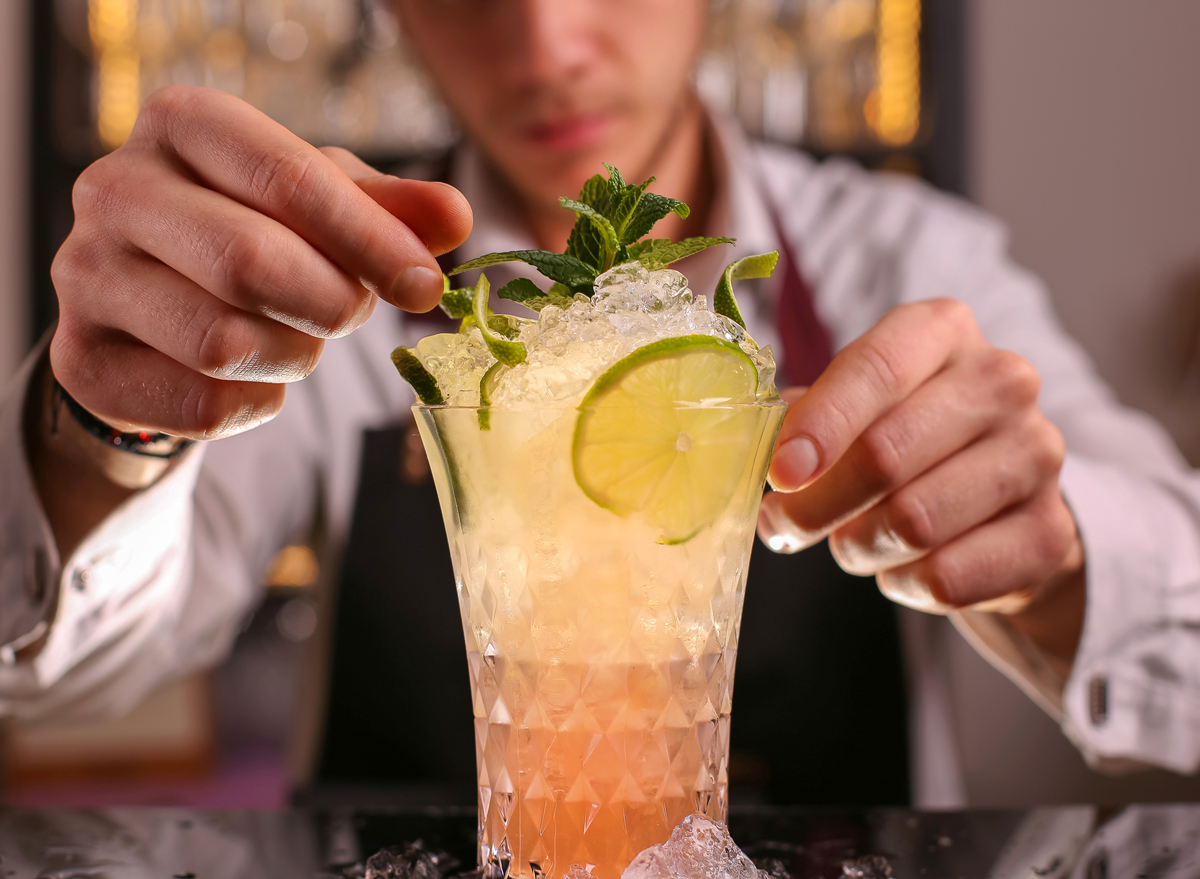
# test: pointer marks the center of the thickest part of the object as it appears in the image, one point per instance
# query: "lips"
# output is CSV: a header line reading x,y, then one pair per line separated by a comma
x,y
569,133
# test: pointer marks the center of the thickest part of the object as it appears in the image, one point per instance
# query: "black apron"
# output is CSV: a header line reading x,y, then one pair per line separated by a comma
x,y
819,710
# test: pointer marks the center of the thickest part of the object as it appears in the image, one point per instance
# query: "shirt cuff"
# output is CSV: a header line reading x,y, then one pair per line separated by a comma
x,y
1133,697
129,575
28,554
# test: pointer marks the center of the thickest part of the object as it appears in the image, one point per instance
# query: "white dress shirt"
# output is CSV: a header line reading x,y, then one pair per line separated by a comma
x,y
163,585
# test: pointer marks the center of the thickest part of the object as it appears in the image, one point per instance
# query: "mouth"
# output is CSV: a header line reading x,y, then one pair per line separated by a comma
x,y
568,133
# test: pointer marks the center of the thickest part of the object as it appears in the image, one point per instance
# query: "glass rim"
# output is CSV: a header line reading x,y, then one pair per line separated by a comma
x,y
575,405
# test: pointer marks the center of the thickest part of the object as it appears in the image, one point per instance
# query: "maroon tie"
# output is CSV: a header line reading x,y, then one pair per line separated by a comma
x,y
807,348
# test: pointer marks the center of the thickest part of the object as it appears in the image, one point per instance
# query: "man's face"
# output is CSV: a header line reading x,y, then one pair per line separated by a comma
x,y
552,88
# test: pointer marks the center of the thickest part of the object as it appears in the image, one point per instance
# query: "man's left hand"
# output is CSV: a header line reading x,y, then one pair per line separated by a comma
x,y
921,453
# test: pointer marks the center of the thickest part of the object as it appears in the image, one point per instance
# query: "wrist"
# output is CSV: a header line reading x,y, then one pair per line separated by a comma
x,y
1053,621
131,461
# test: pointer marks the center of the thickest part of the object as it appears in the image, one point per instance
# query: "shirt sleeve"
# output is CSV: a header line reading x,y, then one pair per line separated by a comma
x,y
1133,695
162,586
869,242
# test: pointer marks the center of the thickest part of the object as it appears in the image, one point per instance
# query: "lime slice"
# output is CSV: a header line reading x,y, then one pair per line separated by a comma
x,y
660,433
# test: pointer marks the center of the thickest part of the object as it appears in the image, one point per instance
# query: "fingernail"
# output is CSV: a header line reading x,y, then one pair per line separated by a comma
x,y
417,289
794,464
781,540
910,592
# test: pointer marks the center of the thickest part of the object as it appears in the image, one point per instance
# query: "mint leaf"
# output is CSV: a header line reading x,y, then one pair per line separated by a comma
x,y
650,210
527,293
595,192
561,267
638,249
502,349
760,266
616,183
457,303
621,211
600,245
665,252
413,371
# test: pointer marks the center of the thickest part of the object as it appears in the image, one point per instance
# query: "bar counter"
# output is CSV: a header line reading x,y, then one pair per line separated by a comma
x,y
1083,842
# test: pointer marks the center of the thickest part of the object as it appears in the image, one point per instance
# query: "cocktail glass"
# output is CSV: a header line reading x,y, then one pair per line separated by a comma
x,y
601,657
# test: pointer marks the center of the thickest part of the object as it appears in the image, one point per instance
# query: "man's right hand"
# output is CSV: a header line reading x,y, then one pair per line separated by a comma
x,y
214,253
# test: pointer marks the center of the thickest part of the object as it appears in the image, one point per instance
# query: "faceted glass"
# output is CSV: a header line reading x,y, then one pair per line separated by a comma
x,y
601,660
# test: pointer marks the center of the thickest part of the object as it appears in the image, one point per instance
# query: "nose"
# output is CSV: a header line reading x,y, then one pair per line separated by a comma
x,y
557,38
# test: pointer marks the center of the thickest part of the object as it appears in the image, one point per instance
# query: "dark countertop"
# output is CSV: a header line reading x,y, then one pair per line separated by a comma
x,y
1084,842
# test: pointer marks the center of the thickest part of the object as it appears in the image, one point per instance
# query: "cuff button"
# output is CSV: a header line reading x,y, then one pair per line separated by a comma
x,y
37,575
1098,699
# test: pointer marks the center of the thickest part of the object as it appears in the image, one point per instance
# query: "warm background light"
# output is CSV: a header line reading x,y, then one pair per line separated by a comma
x,y
894,108
113,27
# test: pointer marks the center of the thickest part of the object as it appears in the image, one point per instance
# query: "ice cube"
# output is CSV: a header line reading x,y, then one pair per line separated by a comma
x,y
458,361
412,861
867,867
699,848
577,872
568,349
630,287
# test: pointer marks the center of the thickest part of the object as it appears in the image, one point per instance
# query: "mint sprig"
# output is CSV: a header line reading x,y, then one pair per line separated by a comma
x,y
612,221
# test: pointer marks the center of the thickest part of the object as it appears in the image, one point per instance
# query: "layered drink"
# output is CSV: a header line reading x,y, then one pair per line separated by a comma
x,y
599,470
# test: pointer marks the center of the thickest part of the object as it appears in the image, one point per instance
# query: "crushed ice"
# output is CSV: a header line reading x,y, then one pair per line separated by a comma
x,y
569,349
412,861
699,848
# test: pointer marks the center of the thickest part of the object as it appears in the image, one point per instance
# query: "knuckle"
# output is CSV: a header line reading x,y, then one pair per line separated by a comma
x,y
355,310
885,366
285,182
248,262
98,188
161,107
944,579
910,519
226,345
67,355
212,409
305,356
1014,378
952,312
207,407
1048,448
879,458
1056,530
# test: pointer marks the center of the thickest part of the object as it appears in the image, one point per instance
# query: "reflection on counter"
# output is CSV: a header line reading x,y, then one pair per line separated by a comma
x,y
1159,841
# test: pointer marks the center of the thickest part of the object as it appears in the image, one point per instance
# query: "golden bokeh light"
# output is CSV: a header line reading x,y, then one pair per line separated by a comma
x,y
893,109
112,25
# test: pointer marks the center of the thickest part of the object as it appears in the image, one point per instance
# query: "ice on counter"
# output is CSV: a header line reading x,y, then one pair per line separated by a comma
x,y
568,349
699,848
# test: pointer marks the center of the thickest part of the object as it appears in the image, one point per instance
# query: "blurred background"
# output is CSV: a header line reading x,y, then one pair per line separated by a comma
x,y
1076,122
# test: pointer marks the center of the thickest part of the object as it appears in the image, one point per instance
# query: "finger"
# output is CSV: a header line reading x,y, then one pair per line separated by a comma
x,y
133,387
866,379
947,413
1001,565
159,307
969,488
246,259
242,154
437,212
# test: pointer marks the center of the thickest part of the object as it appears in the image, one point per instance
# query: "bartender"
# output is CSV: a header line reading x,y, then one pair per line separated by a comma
x,y
954,444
